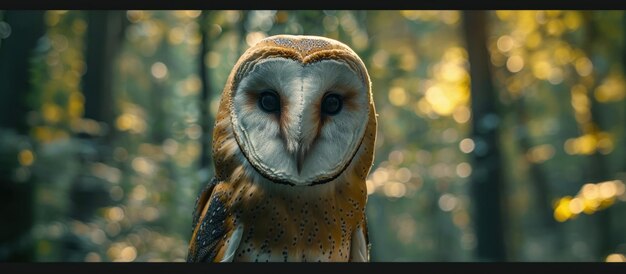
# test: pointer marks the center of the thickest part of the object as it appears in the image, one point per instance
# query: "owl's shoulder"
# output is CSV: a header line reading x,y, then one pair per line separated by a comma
x,y
202,199
209,226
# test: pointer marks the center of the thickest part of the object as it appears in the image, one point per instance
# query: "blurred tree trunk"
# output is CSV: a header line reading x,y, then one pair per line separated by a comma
x,y
88,193
597,170
26,27
542,197
624,71
206,119
156,106
243,45
486,180
16,198
105,31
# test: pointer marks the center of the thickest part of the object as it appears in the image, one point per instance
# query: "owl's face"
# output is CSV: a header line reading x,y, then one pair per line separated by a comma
x,y
300,123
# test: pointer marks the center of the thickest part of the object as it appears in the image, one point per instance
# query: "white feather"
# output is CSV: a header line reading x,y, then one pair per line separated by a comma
x,y
358,247
233,244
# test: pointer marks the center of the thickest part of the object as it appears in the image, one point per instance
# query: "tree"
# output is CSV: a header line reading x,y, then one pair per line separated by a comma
x,y
105,33
26,27
486,181
206,119
598,170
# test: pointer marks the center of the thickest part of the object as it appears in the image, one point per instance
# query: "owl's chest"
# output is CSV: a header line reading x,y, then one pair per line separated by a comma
x,y
296,230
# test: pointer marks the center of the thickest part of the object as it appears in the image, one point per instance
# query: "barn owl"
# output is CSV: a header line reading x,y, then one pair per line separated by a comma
x,y
293,143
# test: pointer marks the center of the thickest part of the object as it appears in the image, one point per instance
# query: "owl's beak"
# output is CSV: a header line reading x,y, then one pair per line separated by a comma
x,y
300,153
298,149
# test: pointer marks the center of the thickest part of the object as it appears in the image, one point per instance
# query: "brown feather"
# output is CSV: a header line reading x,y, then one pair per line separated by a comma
x,y
281,222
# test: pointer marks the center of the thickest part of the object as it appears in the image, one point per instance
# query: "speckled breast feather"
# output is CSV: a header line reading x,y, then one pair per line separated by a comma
x,y
280,222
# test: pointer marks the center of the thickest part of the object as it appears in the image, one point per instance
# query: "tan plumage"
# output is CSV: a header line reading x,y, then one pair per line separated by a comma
x,y
254,211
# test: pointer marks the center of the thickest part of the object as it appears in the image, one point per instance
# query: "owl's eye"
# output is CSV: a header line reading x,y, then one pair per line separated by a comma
x,y
269,101
332,104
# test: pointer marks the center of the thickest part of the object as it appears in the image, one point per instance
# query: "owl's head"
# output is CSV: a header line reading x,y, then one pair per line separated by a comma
x,y
299,107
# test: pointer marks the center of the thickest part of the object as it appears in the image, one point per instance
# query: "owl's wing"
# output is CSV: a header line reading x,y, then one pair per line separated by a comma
x,y
210,229
360,246
201,202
